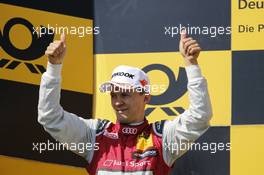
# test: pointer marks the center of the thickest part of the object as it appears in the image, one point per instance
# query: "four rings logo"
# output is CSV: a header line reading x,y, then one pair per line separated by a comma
x,y
129,130
176,89
24,56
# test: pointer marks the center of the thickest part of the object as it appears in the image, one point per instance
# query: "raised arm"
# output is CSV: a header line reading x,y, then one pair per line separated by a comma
x,y
63,126
191,124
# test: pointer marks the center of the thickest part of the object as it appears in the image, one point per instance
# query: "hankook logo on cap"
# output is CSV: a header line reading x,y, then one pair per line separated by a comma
x,y
123,74
129,130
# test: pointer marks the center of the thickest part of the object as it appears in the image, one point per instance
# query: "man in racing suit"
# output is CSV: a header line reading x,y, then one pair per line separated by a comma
x,y
131,145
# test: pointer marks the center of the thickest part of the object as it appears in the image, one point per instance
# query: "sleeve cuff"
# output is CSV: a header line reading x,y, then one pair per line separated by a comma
x,y
54,70
193,71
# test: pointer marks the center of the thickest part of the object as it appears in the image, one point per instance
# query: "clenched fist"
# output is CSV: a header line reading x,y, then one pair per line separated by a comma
x,y
56,50
189,49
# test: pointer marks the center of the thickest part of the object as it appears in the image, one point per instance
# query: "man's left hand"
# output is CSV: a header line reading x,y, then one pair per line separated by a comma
x,y
189,48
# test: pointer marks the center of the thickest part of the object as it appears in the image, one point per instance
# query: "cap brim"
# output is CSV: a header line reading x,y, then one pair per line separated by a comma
x,y
110,85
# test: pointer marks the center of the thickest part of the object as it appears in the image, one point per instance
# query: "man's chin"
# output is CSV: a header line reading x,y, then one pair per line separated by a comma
x,y
122,118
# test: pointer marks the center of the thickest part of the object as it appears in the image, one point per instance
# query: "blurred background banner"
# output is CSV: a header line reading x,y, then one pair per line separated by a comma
x,y
25,34
104,34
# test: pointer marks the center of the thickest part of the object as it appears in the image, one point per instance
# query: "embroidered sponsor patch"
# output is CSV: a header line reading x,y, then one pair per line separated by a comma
x,y
111,135
158,127
148,153
129,131
101,125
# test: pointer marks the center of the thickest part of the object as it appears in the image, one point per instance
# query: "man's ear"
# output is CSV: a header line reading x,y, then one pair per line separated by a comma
x,y
147,98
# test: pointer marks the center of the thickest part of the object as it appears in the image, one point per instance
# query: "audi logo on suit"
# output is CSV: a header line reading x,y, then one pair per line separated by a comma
x,y
129,130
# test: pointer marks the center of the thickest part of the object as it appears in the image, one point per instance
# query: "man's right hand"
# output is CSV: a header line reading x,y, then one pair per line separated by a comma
x,y
56,50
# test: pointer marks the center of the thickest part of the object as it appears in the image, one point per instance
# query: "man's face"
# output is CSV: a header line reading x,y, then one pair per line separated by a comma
x,y
129,105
